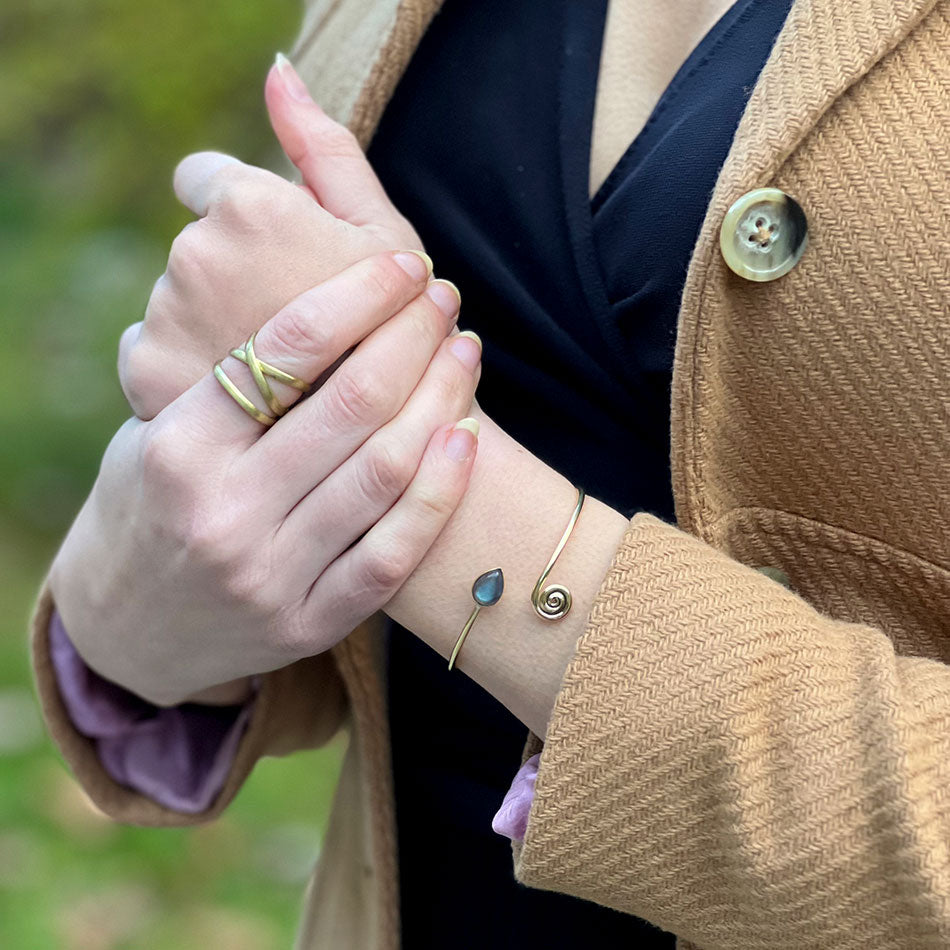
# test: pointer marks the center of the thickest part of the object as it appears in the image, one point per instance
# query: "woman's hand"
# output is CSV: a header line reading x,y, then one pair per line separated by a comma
x,y
259,241
212,548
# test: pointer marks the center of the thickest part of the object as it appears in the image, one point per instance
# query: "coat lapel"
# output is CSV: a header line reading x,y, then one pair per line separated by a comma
x,y
353,53
824,47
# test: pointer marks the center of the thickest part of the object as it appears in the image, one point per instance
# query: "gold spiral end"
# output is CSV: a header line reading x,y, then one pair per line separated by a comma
x,y
553,602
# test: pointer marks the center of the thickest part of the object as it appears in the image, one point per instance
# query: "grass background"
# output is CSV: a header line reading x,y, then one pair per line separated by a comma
x,y
98,101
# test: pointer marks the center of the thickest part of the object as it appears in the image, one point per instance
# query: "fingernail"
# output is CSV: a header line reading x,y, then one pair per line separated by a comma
x,y
445,295
460,445
467,348
292,82
417,264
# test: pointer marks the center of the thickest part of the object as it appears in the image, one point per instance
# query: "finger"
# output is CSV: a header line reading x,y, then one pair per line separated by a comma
x,y
367,391
303,340
328,156
366,577
128,339
212,184
194,176
357,494
146,388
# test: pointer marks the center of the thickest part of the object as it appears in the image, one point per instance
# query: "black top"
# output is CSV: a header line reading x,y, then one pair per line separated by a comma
x,y
486,146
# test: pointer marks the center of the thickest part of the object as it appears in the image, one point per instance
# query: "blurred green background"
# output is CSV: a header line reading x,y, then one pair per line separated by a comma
x,y
98,101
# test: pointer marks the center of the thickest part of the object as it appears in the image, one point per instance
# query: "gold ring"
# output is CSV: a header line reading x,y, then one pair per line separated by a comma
x,y
274,372
259,371
222,377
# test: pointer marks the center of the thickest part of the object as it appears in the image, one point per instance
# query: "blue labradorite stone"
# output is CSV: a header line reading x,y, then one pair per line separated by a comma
x,y
487,589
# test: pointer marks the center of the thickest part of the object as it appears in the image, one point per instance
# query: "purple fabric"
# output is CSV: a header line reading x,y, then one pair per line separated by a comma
x,y
178,756
512,818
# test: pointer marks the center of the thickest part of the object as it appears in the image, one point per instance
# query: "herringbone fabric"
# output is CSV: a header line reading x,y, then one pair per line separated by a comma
x,y
741,769
746,766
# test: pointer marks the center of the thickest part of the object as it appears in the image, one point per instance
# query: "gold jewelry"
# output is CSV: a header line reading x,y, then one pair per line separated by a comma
x,y
254,365
486,592
241,399
554,601
274,372
259,370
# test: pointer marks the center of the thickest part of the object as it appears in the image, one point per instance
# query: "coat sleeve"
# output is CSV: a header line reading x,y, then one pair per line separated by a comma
x,y
299,707
739,769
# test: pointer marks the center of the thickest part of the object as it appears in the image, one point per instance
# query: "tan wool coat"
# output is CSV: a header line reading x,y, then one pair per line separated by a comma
x,y
745,765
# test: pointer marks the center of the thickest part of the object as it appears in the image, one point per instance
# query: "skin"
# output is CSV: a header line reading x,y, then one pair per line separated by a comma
x,y
227,606
236,571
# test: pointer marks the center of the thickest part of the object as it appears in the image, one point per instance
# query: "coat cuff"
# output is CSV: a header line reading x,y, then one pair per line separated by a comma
x,y
627,729
178,756
300,706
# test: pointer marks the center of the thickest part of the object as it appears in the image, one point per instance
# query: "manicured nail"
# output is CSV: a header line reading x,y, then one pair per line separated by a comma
x,y
417,264
467,349
462,440
445,295
292,82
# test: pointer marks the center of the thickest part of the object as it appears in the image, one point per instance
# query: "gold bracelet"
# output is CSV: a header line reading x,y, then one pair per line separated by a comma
x,y
551,603
486,592
554,601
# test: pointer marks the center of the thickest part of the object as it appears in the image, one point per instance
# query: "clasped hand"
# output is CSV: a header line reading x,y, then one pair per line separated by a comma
x,y
211,547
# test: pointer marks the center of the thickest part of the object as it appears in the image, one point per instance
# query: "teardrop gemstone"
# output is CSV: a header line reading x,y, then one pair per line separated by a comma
x,y
488,588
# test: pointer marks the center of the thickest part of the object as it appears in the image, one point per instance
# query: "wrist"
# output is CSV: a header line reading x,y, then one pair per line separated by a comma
x,y
513,515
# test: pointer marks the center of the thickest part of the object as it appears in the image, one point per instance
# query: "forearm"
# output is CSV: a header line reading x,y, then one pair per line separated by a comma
x,y
512,516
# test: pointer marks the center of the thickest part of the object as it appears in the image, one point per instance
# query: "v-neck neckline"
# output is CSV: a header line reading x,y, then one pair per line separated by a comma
x,y
718,33
584,26
582,31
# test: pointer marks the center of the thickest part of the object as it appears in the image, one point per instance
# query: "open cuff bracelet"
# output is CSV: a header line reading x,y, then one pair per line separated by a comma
x,y
550,603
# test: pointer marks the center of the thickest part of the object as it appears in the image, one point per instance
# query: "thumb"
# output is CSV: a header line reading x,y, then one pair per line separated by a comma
x,y
333,165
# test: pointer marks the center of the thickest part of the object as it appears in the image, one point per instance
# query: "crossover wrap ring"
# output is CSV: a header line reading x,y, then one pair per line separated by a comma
x,y
259,371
